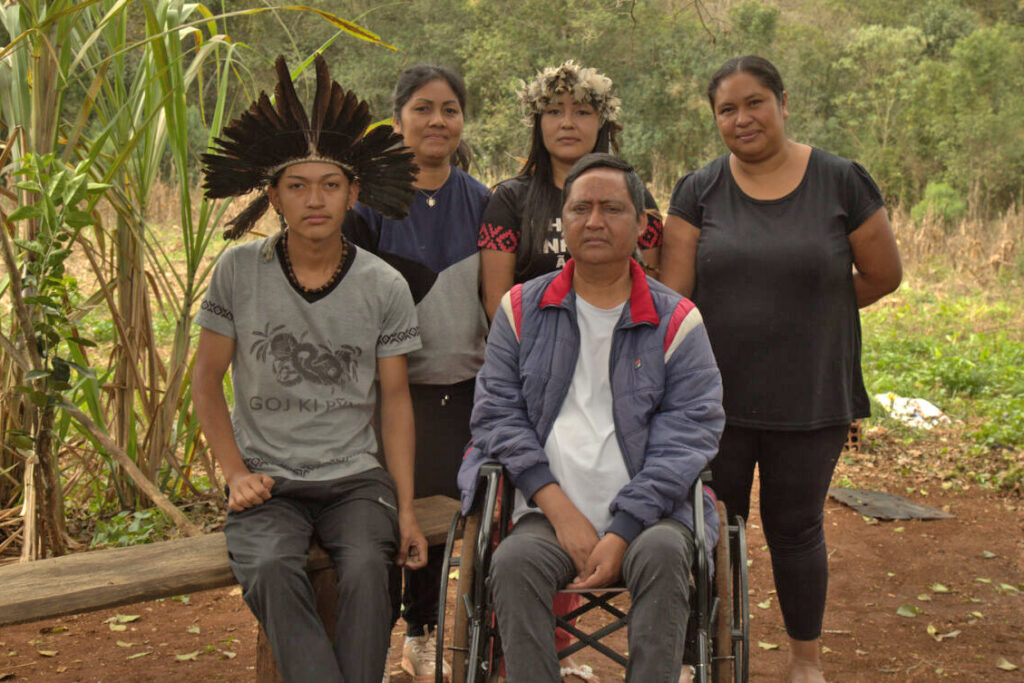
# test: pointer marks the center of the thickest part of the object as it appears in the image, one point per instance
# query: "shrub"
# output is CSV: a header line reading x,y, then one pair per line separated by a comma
x,y
941,202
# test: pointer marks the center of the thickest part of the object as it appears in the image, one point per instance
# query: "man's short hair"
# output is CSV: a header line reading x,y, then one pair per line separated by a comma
x,y
588,162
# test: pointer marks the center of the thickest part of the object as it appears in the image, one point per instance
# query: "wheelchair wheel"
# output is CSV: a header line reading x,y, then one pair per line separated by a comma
x,y
475,645
732,618
469,637
724,661
465,598
741,604
447,563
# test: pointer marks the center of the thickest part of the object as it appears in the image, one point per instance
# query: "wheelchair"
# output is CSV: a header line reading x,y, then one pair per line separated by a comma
x,y
718,632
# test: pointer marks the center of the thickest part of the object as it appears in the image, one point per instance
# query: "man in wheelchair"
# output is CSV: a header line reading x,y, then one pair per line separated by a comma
x,y
600,397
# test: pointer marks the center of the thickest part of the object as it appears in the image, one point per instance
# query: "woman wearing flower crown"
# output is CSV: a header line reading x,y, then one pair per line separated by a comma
x,y
573,111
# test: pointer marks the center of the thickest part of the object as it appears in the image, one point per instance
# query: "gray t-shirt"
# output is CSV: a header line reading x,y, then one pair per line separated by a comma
x,y
303,373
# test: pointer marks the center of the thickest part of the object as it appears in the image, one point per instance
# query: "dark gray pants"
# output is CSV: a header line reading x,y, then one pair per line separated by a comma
x,y
529,567
354,520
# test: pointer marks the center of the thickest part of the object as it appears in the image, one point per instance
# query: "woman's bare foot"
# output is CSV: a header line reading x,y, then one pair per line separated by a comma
x,y
805,661
686,675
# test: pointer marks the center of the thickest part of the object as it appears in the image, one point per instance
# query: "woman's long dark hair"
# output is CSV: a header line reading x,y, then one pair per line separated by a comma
x,y
417,76
537,170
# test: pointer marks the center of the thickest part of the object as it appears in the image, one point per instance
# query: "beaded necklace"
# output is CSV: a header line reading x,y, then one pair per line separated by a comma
x,y
333,280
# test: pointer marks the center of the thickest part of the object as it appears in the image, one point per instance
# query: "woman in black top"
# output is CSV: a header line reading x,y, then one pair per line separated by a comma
x,y
779,244
573,112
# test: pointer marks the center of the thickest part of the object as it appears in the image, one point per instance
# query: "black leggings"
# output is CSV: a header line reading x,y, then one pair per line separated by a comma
x,y
442,432
795,469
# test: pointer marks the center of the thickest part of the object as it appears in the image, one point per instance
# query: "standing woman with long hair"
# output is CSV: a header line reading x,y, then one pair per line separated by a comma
x,y
434,248
572,111
779,244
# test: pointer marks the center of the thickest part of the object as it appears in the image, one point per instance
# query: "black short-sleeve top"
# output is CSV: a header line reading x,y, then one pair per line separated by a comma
x,y
501,227
774,283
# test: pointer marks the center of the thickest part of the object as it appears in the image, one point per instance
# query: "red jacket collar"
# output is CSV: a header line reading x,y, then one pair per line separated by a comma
x,y
641,304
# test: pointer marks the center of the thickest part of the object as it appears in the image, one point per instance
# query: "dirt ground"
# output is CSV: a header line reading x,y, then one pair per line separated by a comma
x,y
961,580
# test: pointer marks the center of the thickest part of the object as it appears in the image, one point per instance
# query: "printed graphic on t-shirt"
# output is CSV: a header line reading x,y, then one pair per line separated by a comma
x,y
555,243
217,309
295,360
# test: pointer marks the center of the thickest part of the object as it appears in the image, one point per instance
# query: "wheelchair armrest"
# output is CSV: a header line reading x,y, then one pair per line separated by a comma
x,y
699,531
493,489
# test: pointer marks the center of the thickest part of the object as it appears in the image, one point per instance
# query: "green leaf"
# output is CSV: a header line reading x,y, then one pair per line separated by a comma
x,y
36,374
938,588
188,657
988,554
767,646
31,245
29,186
84,371
38,398
21,441
78,219
71,194
138,654
25,212
41,300
908,611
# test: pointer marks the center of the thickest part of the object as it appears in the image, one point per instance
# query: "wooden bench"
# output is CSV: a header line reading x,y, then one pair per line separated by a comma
x,y
101,579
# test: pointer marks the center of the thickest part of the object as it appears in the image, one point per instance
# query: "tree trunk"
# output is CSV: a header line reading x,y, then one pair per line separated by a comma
x,y
49,505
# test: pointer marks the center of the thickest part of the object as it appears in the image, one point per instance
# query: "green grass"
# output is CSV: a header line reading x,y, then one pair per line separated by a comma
x,y
964,352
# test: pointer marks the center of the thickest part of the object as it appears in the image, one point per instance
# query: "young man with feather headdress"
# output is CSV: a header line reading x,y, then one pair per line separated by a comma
x,y
306,321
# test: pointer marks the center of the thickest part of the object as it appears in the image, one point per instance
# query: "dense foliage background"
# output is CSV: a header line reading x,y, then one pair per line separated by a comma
x,y
922,93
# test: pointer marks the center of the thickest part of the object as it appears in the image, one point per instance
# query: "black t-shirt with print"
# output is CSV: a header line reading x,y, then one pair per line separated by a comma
x,y
501,228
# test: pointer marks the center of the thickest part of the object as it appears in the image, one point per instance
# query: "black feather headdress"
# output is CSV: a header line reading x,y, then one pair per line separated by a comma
x,y
254,148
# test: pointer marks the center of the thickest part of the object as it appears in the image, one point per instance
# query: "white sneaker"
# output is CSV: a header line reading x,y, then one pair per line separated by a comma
x,y
419,656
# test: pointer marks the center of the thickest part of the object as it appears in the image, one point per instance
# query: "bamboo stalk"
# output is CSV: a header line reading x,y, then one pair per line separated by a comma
x,y
28,511
9,541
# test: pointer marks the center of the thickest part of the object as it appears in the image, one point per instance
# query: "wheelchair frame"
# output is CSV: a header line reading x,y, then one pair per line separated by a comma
x,y
719,625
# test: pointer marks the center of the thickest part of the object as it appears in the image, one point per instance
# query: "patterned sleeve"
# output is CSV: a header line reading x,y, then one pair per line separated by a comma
x,y
501,222
399,328
216,309
861,195
651,237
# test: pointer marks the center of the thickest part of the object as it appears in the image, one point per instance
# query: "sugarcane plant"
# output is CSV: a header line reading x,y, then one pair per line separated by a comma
x,y
106,96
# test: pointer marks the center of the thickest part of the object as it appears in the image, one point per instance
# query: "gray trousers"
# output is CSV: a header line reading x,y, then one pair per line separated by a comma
x,y
354,519
529,567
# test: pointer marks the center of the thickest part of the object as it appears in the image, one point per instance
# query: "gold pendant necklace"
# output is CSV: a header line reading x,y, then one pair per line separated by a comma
x,y
431,202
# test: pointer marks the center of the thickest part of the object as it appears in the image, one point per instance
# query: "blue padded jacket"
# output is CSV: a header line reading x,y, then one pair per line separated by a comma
x,y
666,395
